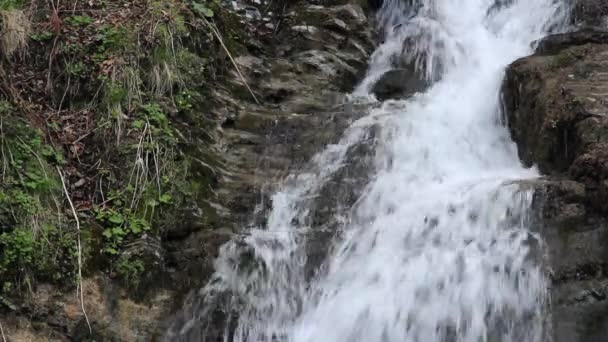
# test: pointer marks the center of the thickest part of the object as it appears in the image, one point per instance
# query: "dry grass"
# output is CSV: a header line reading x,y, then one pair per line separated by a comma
x,y
126,78
15,28
165,74
163,77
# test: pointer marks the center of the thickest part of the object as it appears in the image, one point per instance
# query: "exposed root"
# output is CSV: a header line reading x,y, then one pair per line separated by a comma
x,y
15,28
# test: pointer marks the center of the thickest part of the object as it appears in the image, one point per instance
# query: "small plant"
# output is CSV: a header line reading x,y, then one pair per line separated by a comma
x,y
159,123
112,38
202,9
115,93
42,36
17,248
77,69
73,49
5,107
120,224
79,20
130,269
7,5
31,247
185,99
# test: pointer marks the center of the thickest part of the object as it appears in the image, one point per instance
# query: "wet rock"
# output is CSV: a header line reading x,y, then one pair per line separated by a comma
x,y
305,29
548,97
398,83
375,4
337,25
558,115
590,13
319,52
350,13
143,263
557,112
554,44
575,238
560,201
252,13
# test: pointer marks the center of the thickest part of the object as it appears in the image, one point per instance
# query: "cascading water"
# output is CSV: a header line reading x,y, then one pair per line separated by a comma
x,y
437,248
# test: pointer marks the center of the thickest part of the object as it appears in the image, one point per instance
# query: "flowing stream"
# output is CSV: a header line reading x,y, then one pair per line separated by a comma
x,y
438,247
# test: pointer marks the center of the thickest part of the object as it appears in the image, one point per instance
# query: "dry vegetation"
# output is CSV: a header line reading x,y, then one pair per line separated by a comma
x,y
93,99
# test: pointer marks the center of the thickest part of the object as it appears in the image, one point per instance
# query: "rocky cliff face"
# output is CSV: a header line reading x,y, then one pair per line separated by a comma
x,y
556,109
223,117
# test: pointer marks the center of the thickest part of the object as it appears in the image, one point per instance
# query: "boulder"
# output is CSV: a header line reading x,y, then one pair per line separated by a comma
x,y
398,83
548,97
555,43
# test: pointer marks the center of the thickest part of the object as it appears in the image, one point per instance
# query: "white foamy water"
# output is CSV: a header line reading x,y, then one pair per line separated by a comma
x,y
437,248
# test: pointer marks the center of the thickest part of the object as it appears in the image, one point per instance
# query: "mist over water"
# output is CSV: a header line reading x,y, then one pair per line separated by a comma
x,y
438,246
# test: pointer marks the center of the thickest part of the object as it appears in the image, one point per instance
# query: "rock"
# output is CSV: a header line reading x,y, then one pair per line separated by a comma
x,y
547,98
305,29
557,111
554,44
590,13
398,83
320,52
337,25
252,13
142,265
233,151
375,4
350,13
561,202
325,62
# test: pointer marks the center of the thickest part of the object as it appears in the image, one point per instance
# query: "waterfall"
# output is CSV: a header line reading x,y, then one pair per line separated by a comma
x,y
438,247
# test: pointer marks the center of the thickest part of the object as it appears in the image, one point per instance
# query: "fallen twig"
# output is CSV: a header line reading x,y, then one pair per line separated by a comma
x,y
217,34
2,333
79,249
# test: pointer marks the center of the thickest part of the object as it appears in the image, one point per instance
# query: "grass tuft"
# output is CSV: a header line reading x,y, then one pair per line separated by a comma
x,y
15,28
